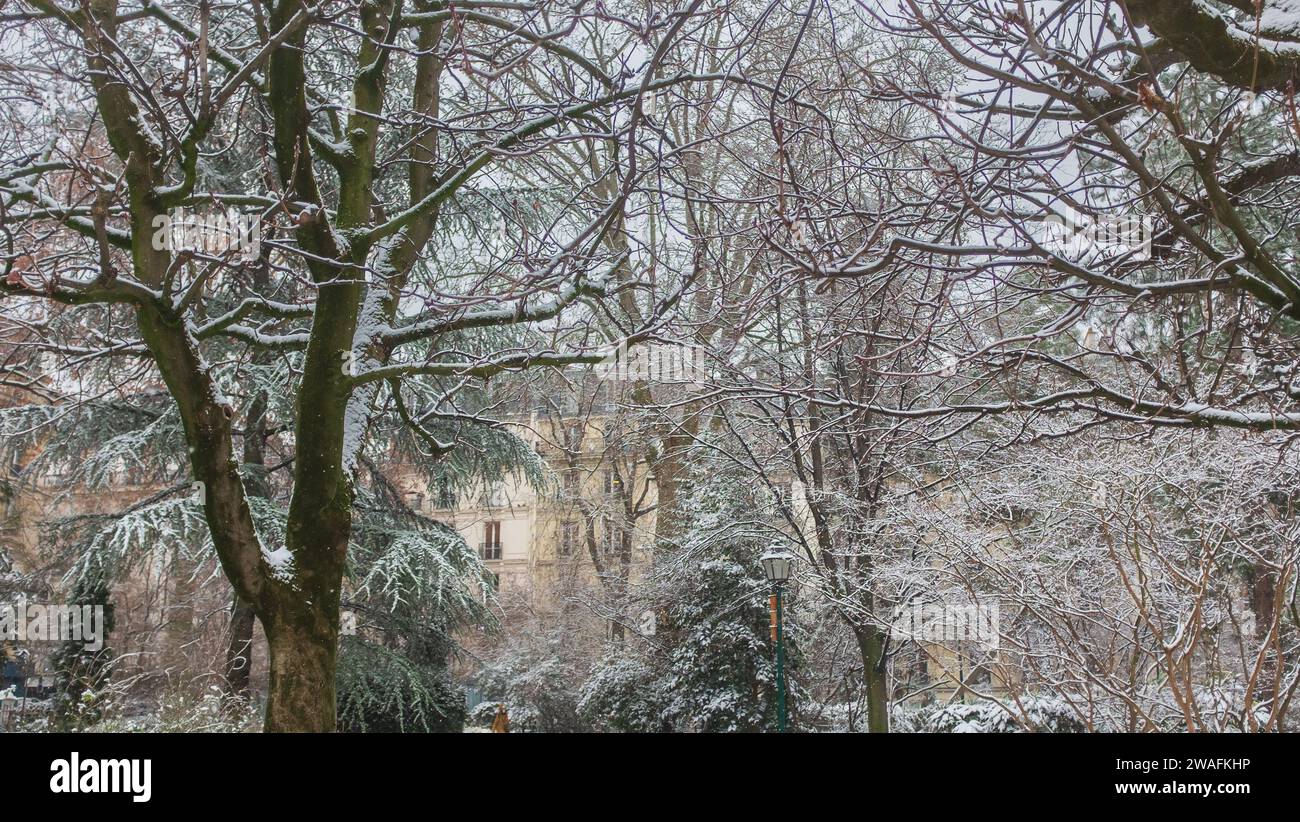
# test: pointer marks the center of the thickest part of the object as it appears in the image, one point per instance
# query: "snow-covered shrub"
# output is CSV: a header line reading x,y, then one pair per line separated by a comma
x,y
1222,709
210,711
837,717
1033,714
622,695
481,715
538,686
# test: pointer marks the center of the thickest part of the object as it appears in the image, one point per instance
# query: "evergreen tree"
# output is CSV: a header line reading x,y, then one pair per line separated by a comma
x,y
716,671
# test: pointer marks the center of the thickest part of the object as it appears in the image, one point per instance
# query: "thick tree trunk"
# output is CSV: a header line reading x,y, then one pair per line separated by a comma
x,y
301,613
301,618
304,653
871,644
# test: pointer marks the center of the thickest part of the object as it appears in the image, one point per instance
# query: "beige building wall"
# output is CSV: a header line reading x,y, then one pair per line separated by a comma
x,y
543,533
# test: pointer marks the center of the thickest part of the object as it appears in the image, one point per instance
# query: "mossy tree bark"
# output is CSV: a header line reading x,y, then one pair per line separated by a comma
x,y
303,642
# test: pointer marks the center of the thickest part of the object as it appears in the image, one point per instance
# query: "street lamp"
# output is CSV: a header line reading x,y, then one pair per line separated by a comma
x,y
776,564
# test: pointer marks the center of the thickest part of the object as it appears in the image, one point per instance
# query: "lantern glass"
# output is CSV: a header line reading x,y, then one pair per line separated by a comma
x,y
777,566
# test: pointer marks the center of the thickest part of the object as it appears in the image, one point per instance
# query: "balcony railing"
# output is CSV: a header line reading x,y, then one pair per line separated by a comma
x,y
489,550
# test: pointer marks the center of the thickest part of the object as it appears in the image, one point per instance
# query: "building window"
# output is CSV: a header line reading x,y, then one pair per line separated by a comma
x,y
568,538
571,482
491,547
414,500
613,483
610,536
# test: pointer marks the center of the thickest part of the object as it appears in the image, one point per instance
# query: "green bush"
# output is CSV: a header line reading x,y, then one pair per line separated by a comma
x,y
383,691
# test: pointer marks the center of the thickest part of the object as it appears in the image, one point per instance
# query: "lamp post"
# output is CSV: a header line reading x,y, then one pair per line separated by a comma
x,y
776,565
